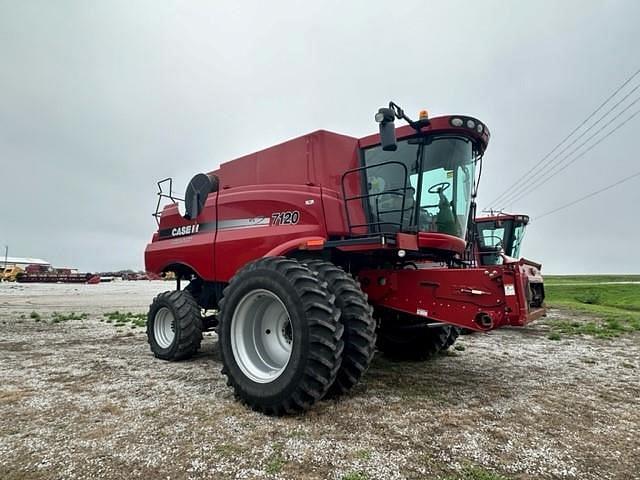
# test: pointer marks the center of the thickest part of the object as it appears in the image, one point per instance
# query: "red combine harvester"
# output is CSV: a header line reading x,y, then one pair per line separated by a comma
x,y
499,235
498,240
311,250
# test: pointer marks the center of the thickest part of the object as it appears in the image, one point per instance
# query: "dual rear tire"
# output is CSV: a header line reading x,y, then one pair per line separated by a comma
x,y
356,315
292,333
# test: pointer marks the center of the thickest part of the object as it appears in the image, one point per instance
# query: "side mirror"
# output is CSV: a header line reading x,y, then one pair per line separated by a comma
x,y
385,118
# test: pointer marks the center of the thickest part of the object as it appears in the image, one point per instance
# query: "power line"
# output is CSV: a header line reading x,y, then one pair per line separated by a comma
x,y
592,194
541,172
525,177
553,171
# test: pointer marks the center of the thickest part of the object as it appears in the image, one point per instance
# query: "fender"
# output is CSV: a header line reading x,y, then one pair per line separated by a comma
x,y
191,252
176,267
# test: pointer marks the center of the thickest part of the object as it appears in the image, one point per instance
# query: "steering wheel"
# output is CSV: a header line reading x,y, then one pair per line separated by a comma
x,y
496,240
443,186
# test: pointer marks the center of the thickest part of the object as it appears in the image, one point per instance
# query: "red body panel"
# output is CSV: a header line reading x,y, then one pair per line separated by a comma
x,y
334,210
194,251
236,227
237,245
319,158
440,241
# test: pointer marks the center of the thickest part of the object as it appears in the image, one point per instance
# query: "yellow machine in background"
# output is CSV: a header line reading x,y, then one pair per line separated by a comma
x,y
9,274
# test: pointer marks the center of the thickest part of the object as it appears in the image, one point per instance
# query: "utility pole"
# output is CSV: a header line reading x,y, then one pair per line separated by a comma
x,y
6,254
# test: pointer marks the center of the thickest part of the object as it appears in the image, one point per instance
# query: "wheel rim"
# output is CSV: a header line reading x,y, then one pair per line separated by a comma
x,y
261,336
164,327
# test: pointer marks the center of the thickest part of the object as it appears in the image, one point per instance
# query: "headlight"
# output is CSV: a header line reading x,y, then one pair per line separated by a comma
x,y
471,124
456,122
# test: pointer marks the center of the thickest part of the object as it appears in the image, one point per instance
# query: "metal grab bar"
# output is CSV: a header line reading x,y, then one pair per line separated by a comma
x,y
393,191
161,194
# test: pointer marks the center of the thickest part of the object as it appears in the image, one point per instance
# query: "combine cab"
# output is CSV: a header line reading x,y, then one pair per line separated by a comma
x,y
498,239
305,256
499,236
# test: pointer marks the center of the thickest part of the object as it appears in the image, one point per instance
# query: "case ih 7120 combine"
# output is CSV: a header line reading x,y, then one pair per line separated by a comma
x,y
498,239
312,251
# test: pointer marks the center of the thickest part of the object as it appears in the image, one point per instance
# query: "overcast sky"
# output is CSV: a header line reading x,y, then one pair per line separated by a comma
x,y
98,100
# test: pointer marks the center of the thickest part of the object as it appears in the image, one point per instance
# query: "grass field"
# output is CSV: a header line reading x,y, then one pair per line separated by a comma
x,y
612,306
582,279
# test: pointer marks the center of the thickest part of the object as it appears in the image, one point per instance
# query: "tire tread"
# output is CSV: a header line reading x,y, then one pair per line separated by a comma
x,y
359,325
189,324
325,341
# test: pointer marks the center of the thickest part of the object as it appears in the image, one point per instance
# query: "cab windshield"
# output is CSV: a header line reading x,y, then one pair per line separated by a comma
x,y
424,185
501,235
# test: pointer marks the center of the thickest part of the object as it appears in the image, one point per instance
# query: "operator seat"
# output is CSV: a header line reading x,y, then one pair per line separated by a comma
x,y
445,218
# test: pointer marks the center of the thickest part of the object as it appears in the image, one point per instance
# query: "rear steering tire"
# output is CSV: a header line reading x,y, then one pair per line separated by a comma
x,y
174,325
359,324
418,343
454,333
279,335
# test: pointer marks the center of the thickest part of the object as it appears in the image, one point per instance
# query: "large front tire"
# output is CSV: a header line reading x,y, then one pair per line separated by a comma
x,y
359,324
280,337
174,325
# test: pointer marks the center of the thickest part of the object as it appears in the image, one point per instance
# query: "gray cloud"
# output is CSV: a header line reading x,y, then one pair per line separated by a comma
x,y
99,100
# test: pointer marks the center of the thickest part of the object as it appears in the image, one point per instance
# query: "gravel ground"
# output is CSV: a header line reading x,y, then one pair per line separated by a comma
x,y
85,399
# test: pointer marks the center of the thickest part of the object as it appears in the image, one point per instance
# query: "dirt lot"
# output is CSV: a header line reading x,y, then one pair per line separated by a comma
x,y
86,399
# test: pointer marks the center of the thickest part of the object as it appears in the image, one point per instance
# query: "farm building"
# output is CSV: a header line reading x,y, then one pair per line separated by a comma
x,y
22,262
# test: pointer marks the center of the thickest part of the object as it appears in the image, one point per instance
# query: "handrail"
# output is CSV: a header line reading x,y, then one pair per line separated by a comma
x,y
161,194
397,191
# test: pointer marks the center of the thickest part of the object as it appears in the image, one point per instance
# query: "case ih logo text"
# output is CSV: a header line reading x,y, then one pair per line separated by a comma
x,y
187,230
